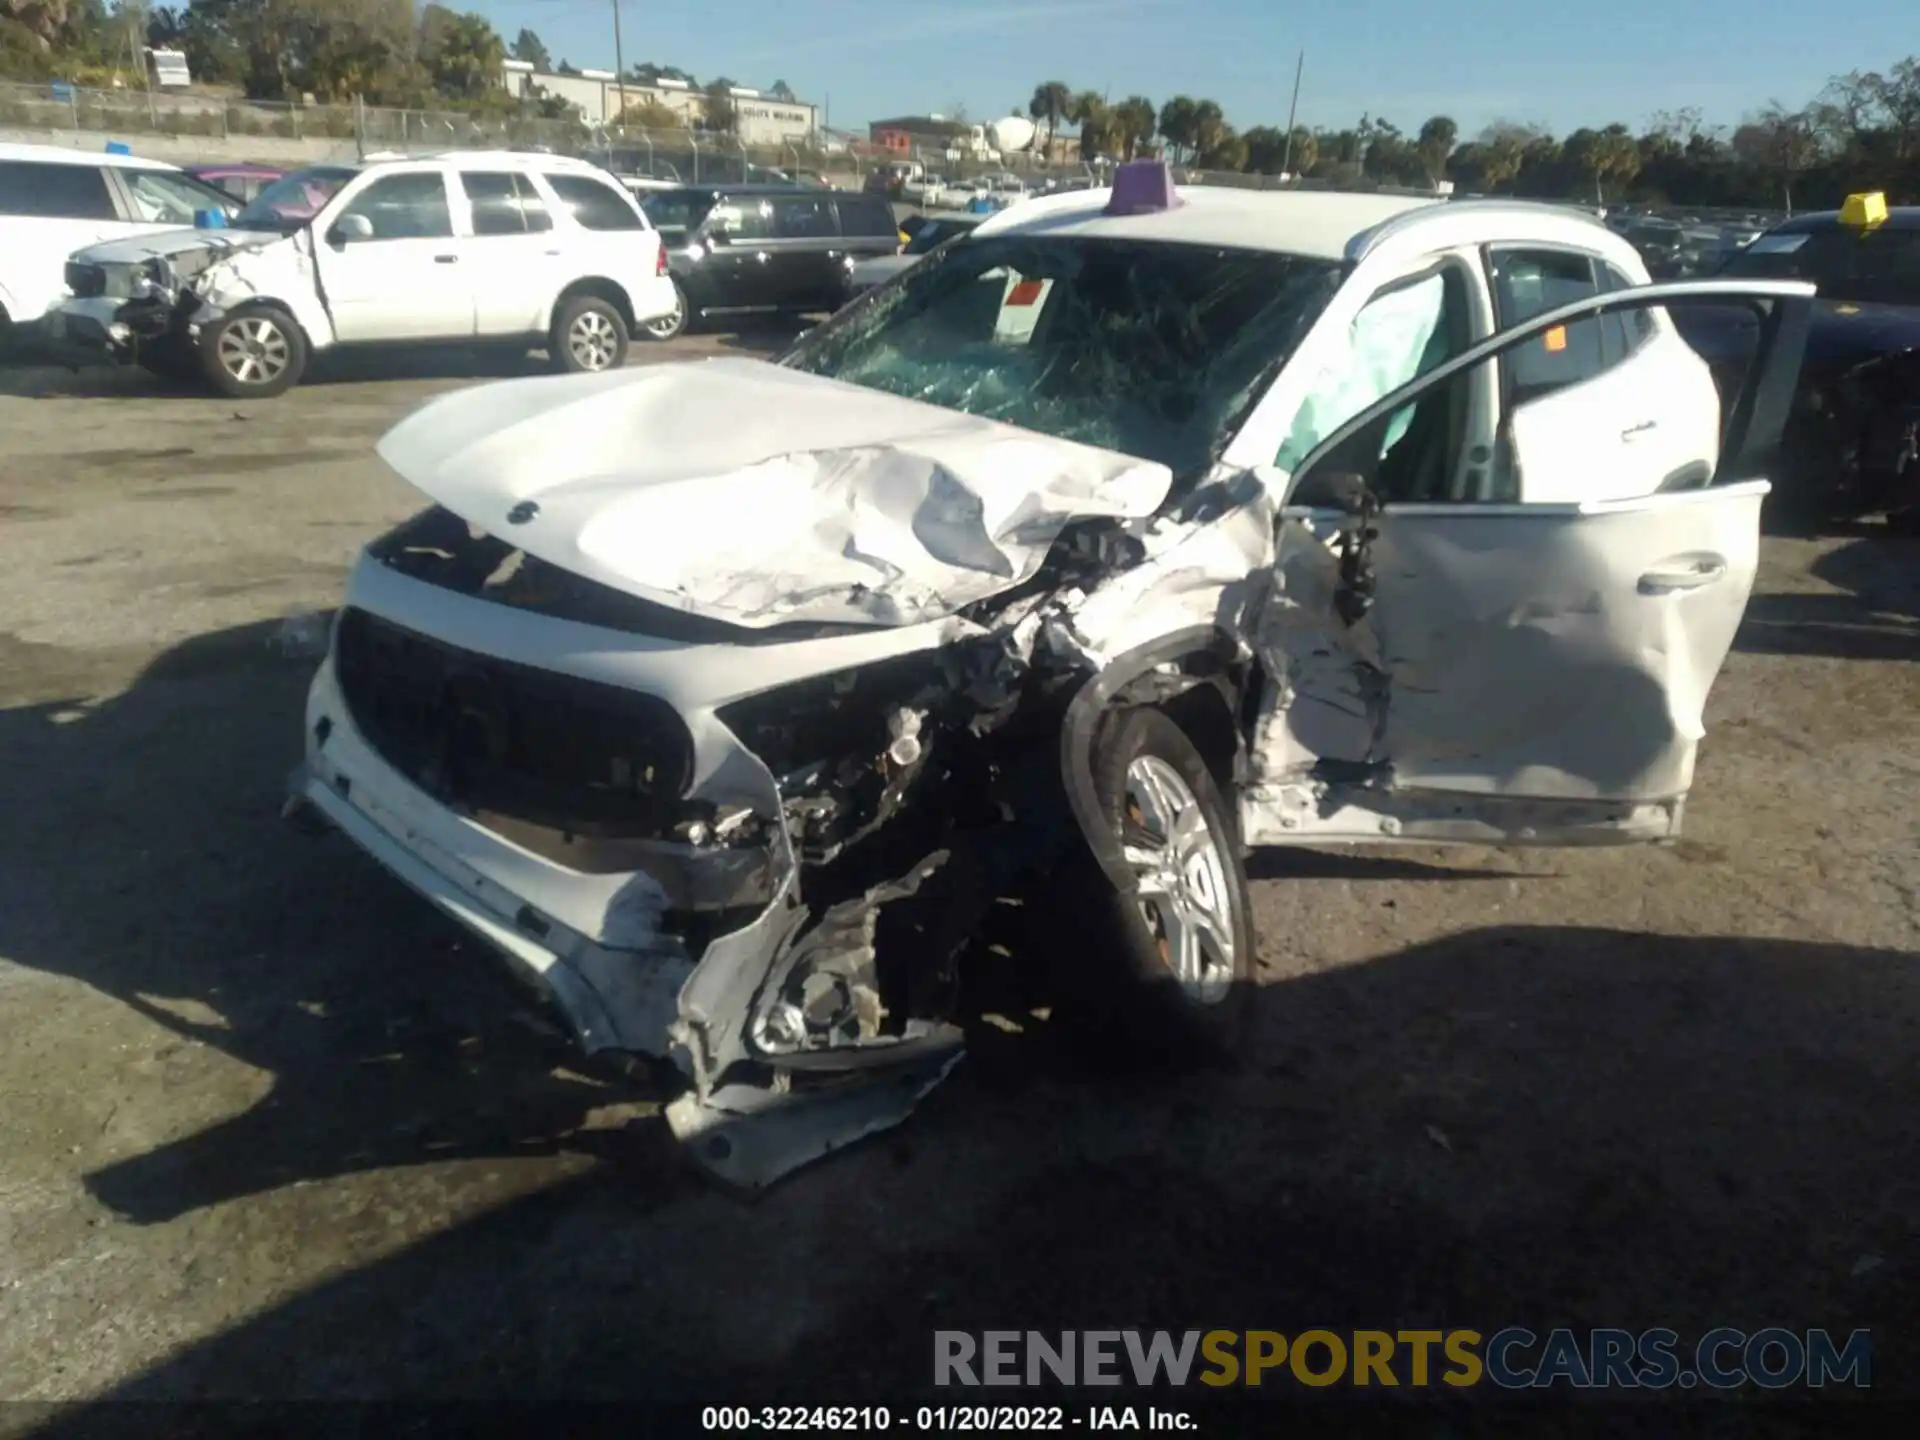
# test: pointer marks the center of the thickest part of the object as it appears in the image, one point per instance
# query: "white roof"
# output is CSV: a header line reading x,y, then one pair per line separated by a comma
x,y
69,155
1317,223
492,160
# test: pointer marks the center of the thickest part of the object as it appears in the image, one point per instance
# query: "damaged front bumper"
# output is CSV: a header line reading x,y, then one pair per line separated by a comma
x,y
102,327
690,946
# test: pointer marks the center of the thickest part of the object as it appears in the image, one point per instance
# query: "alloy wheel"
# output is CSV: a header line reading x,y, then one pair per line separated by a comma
x,y
1180,874
254,350
592,340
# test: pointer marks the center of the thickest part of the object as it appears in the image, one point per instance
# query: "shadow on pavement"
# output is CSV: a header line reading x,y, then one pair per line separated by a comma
x,y
1875,617
1536,1126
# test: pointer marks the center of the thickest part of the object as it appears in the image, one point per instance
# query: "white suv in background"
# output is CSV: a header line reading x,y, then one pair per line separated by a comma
x,y
466,247
53,200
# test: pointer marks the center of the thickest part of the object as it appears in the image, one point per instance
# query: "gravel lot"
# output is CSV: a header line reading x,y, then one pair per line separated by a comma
x,y
269,1127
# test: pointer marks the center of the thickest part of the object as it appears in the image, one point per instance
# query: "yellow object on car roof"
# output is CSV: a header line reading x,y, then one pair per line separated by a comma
x,y
1864,210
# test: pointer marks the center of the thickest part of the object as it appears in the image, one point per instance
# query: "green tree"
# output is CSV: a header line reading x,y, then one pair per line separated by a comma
x,y
650,114
1435,144
1177,125
1778,142
461,53
529,47
1052,101
1133,122
1098,135
723,118
1211,132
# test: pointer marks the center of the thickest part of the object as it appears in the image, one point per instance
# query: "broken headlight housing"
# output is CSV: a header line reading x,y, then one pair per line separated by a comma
x,y
154,280
842,747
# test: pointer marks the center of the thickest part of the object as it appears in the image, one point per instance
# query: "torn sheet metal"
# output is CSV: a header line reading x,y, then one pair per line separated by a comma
x,y
760,495
750,1136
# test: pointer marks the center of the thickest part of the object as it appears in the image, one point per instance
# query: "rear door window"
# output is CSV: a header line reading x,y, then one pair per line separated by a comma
x,y
745,218
54,191
1528,283
803,217
595,204
504,203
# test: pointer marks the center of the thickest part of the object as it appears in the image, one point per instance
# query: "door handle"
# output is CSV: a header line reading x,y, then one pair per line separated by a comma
x,y
1684,572
446,259
1642,428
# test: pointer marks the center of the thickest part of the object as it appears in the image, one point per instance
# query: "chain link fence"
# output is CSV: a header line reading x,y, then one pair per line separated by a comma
x,y
353,130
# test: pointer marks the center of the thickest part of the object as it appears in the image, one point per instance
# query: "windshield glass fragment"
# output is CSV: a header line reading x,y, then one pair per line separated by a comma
x,y
1153,350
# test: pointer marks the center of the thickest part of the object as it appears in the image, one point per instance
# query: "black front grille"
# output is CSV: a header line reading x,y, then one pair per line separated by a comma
x,y
507,741
87,282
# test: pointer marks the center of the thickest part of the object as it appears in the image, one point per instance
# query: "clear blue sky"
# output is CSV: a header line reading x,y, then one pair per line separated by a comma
x,y
1477,60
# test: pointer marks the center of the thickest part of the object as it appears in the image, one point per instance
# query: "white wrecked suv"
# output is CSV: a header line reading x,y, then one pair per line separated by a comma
x,y
1135,530
470,247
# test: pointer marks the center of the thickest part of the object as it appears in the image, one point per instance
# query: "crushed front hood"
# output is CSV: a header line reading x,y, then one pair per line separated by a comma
x,y
169,243
758,495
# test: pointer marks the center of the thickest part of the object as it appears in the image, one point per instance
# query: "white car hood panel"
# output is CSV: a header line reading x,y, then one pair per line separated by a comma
x,y
135,248
758,495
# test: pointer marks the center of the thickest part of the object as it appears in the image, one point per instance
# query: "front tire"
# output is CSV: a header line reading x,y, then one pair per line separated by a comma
x,y
589,336
253,354
671,327
1167,970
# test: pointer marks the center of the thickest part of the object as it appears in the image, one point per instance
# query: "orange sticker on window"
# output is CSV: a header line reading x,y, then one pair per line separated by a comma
x,y
1556,339
1027,292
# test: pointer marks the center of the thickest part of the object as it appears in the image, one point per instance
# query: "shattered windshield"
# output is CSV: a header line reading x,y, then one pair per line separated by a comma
x,y
294,199
1150,349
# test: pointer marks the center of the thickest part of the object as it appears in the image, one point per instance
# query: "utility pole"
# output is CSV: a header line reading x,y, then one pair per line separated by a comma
x,y
1293,108
619,65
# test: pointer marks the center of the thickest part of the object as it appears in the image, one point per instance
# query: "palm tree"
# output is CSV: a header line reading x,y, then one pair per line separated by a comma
x,y
1132,124
1089,111
1052,102
1210,129
1176,124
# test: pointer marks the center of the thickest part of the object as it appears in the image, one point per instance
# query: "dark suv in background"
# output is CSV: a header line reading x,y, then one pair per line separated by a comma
x,y
764,249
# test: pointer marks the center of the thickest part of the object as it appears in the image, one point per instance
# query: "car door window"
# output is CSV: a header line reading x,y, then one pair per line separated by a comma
x,y
1402,332
1528,283
405,207
803,217
1366,453
503,203
1622,333
596,205
160,197
743,219
54,192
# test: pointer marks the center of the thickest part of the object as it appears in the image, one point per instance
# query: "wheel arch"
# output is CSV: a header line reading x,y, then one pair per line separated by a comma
x,y
265,302
599,286
1203,694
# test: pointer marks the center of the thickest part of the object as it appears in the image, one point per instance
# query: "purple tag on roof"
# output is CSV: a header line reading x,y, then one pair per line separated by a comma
x,y
1142,186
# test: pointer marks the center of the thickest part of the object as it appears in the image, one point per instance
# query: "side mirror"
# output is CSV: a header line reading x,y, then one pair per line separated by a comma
x,y
349,228
718,235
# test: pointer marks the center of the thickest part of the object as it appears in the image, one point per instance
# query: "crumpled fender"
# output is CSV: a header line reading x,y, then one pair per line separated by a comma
x,y
1081,725
282,274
